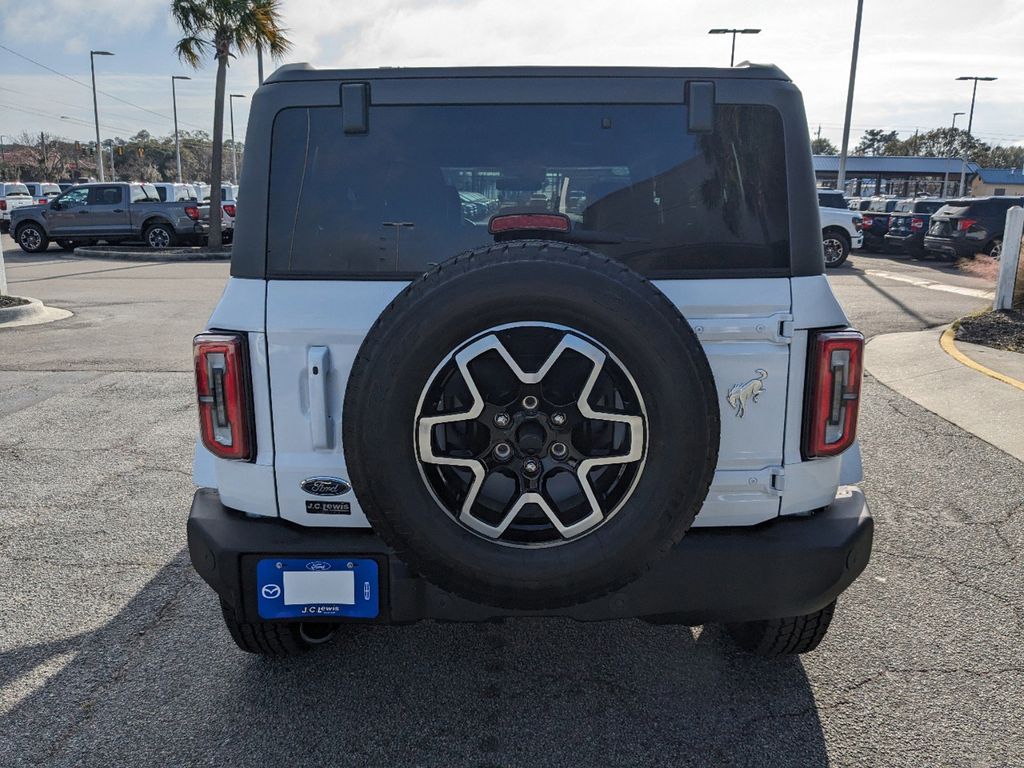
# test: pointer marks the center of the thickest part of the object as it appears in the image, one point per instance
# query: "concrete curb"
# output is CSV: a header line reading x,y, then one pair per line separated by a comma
x,y
148,254
33,313
948,343
917,366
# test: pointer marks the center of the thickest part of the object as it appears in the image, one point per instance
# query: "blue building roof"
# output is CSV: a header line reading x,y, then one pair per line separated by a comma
x,y
1001,175
875,164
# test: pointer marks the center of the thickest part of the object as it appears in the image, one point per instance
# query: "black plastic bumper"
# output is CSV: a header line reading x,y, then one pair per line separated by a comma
x,y
952,246
787,567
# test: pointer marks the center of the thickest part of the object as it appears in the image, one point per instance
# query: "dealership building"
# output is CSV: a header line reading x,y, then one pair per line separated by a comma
x,y
900,176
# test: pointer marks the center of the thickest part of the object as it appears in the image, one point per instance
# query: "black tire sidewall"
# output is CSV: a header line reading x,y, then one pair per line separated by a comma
x,y
44,241
165,227
842,238
652,342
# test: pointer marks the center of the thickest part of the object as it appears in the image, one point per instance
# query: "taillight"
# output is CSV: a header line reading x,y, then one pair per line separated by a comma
x,y
833,397
892,220
42,201
868,220
222,386
965,224
192,212
229,210
917,223
858,224
3,205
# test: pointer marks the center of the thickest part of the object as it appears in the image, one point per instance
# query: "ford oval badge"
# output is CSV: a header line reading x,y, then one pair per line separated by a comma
x,y
325,486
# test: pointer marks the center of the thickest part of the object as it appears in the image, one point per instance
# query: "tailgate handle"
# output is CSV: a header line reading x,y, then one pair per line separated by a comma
x,y
318,362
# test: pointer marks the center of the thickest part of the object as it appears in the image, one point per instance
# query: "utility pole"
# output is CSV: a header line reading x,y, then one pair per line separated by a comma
x,y
841,178
174,101
952,146
113,175
95,107
970,123
733,32
259,63
42,146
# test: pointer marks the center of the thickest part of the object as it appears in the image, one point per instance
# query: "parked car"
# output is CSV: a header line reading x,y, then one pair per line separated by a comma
x,y
228,206
859,203
113,212
840,227
908,223
42,191
876,222
406,415
174,192
13,195
968,227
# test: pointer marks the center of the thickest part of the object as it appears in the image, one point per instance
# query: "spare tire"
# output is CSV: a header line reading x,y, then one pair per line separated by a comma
x,y
531,425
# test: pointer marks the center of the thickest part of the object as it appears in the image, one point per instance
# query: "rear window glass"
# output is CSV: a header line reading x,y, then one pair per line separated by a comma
x,y
832,200
15,189
930,206
882,206
421,185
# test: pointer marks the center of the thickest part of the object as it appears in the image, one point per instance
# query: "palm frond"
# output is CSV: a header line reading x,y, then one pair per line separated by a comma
x,y
190,49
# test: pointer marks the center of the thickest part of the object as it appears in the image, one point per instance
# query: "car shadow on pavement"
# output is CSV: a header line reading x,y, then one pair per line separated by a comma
x,y
161,683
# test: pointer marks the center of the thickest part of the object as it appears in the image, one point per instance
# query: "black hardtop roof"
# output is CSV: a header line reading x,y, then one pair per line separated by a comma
x,y
304,72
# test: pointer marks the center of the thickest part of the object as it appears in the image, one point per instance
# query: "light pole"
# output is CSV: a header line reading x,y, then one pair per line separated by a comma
x,y
234,149
952,146
733,32
174,101
970,123
95,107
841,177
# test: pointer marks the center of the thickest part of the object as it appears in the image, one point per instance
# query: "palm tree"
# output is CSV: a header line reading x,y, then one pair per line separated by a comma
x,y
225,27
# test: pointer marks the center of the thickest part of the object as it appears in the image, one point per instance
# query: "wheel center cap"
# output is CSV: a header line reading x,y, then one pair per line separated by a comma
x,y
531,437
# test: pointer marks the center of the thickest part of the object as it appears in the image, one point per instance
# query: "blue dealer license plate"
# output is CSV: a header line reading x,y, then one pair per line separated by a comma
x,y
305,588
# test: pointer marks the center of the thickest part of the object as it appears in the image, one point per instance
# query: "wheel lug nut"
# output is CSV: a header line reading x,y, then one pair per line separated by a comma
x,y
558,419
559,450
502,420
530,403
531,467
502,451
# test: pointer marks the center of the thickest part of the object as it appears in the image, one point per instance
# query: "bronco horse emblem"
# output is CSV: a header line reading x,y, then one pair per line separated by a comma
x,y
739,394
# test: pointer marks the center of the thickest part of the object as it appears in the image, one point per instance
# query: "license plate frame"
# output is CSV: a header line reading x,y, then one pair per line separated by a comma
x,y
321,588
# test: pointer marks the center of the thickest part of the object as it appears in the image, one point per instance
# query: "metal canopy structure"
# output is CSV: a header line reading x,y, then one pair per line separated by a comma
x,y
885,175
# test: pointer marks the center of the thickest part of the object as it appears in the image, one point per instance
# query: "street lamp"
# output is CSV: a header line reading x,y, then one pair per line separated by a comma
x,y
733,32
841,176
174,101
970,123
952,146
95,107
234,149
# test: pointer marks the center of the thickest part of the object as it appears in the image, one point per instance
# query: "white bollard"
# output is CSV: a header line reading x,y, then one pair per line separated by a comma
x,y
1009,259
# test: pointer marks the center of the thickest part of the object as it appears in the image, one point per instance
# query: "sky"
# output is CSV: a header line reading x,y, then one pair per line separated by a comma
x,y
910,54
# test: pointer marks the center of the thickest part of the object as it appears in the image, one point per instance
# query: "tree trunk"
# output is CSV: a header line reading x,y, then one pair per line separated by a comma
x,y
218,149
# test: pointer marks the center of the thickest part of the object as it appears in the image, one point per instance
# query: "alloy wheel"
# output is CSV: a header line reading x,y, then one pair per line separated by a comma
x,y
531,434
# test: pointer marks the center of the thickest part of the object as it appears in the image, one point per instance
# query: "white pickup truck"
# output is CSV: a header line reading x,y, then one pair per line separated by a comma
x,y
13,195
841,228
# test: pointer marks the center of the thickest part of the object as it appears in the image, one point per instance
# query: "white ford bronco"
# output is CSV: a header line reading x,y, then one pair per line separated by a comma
x,y
528,342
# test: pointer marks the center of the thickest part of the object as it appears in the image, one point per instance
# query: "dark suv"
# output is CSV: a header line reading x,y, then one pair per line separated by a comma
x,y
907,225
876,222
528,342
970,226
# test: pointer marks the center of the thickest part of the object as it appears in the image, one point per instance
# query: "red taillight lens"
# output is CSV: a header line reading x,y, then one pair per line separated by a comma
x,y
917,223
192,212
3,205
892,220
509,222
229,210
222,386
966,224
42,201
833,397
868,220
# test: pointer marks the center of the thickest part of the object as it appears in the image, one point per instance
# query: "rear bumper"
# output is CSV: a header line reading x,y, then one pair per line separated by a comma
x,y
787,567
904,243
952,246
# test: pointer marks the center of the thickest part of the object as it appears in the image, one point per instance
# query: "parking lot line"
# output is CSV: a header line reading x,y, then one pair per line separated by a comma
x,y
931,284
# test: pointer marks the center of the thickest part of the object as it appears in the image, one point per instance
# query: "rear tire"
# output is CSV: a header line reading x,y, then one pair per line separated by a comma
x,y
995,248
68,245
275,640
836,246
160,236
32,238
772,638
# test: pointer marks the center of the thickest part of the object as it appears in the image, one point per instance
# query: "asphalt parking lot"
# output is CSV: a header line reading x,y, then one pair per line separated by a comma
x,y
112,650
